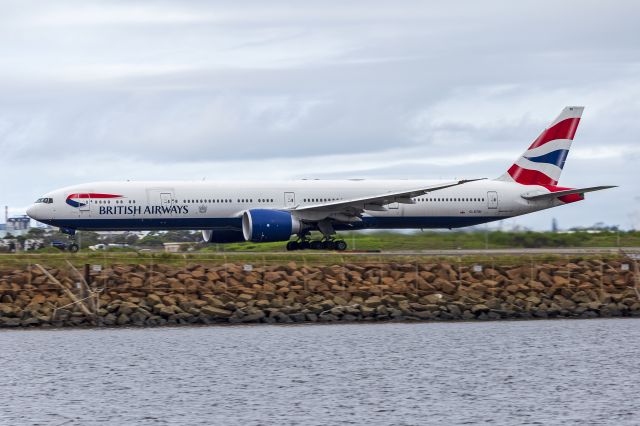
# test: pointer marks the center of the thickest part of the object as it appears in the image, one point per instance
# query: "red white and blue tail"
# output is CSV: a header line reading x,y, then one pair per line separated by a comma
x,y
542,163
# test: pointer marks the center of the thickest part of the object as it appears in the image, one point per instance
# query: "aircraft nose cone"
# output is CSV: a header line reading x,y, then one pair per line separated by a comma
x,y
31,212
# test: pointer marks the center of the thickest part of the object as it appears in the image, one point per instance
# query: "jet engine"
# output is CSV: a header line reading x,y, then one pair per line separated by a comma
x,y
222,236
263,225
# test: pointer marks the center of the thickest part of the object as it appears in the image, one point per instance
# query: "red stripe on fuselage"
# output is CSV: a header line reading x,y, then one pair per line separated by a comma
x,y
566,129
91,195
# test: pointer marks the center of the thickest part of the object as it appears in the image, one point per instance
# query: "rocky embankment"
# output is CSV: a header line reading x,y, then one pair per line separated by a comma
x,y
139,295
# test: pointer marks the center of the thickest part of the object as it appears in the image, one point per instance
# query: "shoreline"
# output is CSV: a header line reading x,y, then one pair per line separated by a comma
x,y
300,324
138,295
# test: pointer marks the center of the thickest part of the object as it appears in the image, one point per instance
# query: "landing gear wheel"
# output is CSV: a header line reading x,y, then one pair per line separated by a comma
x,y
316,245
305,245
329,245
340,245
293,246
73,248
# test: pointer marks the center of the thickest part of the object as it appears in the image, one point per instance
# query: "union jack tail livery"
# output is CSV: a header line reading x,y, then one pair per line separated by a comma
x,y
542,163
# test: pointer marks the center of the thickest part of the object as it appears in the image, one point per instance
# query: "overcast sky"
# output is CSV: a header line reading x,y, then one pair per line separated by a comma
x,y
141,90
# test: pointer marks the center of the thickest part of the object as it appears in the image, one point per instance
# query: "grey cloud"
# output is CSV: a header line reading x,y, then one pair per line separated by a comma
x,y
182,86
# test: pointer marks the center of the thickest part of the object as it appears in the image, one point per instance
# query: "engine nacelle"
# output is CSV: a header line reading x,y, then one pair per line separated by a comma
x,y
262,225
222,236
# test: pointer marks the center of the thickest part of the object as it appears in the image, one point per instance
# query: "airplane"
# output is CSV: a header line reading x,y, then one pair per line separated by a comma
x,y
266,211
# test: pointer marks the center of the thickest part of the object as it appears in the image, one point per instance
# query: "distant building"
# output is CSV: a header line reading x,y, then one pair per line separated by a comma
x,y
18,225
173,247
15,226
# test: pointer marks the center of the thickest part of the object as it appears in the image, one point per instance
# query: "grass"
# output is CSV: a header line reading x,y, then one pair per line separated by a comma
x,y
392,241
274,253
105,259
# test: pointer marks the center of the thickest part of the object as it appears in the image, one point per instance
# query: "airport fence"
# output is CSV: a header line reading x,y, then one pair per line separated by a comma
x,y
250,262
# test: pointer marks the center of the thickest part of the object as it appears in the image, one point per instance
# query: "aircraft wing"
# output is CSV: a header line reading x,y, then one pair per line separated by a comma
x,y
552,195
356,206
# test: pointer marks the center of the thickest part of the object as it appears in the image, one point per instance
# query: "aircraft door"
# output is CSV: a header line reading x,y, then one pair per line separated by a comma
x,y
84,209
289,199
166,201
492,199
160,202
165,198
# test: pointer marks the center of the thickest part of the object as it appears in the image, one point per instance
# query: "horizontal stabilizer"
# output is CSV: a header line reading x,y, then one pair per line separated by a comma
x,y
552,195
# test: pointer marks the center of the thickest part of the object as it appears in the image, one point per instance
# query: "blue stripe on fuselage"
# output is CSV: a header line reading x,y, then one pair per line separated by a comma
x,y
368,222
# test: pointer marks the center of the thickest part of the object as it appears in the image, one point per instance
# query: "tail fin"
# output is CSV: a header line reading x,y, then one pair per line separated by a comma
x,y
542,163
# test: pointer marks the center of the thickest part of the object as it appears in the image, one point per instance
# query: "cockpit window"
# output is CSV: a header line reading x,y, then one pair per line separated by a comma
x,y
44,200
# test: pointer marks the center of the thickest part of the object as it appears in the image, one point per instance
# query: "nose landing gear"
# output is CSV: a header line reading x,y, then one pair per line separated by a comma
x,y
73,247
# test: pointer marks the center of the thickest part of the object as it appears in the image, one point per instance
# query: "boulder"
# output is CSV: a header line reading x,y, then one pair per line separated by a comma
x,y
122,319
534,300
215,311
297,317
373,302
244,297
447,287
479,308
424,315
431,299
253,317
561,280
10,322
537,286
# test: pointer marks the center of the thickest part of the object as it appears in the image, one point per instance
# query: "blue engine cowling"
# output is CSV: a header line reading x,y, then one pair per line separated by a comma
x,y
262,225
222,236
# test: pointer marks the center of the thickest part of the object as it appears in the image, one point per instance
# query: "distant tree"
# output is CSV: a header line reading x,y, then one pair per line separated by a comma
x,y
36,233
151,241
88,238
132,239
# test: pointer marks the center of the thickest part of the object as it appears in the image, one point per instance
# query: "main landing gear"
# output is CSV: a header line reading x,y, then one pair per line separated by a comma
x,y
326,243
339,245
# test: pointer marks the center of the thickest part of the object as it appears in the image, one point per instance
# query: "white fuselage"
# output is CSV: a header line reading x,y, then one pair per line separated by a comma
x,y
220,205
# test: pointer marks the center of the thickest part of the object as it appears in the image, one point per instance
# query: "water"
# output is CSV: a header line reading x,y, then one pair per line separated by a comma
x,y
533,372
